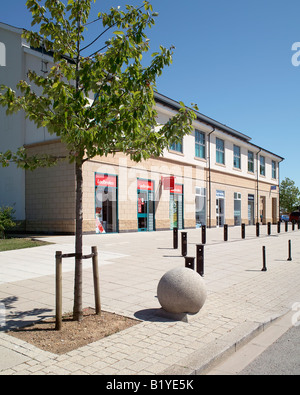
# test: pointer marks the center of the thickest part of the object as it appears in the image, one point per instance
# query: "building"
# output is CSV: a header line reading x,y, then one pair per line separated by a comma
x,y
216,176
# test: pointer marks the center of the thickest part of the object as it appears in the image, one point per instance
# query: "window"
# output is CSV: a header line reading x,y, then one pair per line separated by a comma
x,y
177,146
237,208
199,144
2,55
236,157
262,165
200,206
274,170
220,152
250,161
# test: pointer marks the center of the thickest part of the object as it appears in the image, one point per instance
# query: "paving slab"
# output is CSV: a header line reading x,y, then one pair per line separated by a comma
x,y
242,300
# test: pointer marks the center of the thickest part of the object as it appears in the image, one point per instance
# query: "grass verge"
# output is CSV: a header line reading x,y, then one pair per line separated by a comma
x,y
18,243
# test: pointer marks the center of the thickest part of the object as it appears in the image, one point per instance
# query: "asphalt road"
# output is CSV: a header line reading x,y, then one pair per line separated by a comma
x,y
281,358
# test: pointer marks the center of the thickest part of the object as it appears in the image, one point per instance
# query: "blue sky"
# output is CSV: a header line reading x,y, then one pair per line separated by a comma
x,y
232,58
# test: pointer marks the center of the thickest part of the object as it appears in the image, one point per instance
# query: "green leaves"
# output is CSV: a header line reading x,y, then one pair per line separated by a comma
x,y
97,105
6,219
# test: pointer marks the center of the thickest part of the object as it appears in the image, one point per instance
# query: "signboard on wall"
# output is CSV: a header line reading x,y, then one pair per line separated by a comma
x,y
104,180
145,185
168,183
178,189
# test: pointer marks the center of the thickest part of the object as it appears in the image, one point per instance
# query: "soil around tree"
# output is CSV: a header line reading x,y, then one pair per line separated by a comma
x,y
73,334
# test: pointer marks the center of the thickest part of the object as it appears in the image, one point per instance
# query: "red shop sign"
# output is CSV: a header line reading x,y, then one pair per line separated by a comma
x,y
103,180
168,183
177,189
145,185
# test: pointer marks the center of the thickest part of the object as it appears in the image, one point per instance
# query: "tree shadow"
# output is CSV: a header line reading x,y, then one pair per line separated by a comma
x,y
14,319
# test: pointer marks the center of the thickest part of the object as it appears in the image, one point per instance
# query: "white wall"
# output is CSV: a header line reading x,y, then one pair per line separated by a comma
x,y
12,185
188,156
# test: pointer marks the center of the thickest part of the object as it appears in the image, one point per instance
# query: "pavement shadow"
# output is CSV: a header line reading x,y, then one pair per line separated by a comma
x,y
158,315
13,319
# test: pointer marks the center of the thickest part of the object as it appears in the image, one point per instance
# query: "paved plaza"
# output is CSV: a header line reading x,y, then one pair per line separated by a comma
x,y
242,300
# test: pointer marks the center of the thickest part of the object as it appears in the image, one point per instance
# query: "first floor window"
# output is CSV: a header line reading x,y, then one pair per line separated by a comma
x,y
274,168
236,157
177,146
250,161
199,144
220,151
262,166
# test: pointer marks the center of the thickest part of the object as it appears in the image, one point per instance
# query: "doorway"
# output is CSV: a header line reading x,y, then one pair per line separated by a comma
x,y
220,208
106,203
251,218
176,207
146,205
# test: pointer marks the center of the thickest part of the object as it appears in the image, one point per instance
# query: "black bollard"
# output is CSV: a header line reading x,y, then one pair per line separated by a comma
x,y
290,251
264,269
225,232
200,259
203,234
293,226
278,226
286,226
183,243
269,228
243,231
175,238
190,262
257,229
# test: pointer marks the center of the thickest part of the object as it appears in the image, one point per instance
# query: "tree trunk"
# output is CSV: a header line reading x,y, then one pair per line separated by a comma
x,y
77,310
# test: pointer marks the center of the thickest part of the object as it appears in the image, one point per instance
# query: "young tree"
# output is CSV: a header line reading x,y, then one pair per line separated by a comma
x,y
289,196
98,104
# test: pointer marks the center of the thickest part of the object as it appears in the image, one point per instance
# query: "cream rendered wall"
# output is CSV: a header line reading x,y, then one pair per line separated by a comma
x,y
12,185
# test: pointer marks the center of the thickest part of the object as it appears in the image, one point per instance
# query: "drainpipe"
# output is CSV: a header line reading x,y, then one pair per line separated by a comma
x,y
209,178
257,202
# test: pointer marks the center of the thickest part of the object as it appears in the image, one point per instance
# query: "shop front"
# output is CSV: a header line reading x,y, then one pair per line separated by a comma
x,y
251,209
106,203
220,208
176,207
146,205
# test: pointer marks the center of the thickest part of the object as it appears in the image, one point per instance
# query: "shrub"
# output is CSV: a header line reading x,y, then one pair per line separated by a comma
x,y
6,220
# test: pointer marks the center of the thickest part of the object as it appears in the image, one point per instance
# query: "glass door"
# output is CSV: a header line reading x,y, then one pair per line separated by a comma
x,y
176,207
142,211
106,203
146,205
220,208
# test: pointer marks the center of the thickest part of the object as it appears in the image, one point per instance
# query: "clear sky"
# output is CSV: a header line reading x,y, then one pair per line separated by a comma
x,y
233,58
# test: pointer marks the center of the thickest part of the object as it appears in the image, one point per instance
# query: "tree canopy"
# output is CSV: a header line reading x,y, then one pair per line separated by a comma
x,y
98,104
289,196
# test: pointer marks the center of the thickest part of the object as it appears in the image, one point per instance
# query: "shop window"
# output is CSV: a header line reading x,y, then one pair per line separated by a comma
x,y
200,207
176,207
237,208
106,201
146,205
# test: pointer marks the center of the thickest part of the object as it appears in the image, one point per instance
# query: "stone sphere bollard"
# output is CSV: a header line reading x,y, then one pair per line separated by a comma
x,y
181,290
